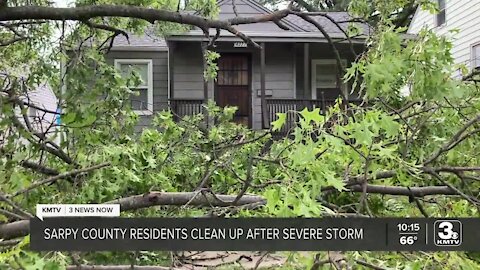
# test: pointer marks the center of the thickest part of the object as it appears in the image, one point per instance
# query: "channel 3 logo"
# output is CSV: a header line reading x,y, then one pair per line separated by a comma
x,y
448,233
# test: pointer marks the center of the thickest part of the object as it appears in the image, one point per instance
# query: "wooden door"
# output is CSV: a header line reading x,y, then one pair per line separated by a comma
x,y
232,87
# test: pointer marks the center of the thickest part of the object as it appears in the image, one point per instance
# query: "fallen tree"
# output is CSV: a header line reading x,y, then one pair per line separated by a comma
x,y
346,158
199,199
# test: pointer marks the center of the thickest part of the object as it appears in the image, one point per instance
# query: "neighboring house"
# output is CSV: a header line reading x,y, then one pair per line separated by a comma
x,y
460,21
296,68
41,106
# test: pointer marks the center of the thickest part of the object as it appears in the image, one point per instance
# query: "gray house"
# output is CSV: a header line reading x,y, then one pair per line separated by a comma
x,y
459,22
295,69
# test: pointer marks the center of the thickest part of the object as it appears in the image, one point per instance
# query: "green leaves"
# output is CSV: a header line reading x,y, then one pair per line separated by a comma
x,y
332,180
306,118
303,154
389,125
362,133
68,118
84,121
312,116
211,65
324,152
278,124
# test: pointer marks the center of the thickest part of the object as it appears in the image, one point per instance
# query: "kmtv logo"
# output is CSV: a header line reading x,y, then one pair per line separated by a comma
x,y
448,233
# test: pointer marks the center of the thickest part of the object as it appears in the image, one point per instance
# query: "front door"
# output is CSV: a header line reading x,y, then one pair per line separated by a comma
x,y
232,87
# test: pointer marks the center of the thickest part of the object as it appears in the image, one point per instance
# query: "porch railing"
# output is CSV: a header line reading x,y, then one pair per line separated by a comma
x,y
290,106
184,107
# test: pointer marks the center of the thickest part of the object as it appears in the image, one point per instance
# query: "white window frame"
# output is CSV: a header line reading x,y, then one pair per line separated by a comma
x,y
313,84
149,63
438,14
473,56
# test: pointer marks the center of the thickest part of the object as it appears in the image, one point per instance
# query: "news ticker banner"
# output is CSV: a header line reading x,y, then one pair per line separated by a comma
x,y
254,234
77,210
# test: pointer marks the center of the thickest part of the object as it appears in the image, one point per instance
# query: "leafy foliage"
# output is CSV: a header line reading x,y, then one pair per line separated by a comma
x,y
396,138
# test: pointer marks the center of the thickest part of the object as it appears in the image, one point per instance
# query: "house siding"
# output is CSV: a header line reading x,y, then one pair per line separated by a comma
x,y
160,79
43,97
279,77
187,66
279,63
461,15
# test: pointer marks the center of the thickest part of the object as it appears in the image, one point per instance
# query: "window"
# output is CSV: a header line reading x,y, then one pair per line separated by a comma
x,y
142,100
441,16
232,70
33,116
32,112
476,56
324,79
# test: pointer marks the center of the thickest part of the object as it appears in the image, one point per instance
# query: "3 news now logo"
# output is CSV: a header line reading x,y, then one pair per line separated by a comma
x,y
448,233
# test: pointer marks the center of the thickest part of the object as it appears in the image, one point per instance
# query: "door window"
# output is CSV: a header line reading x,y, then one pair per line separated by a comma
x,y
232,70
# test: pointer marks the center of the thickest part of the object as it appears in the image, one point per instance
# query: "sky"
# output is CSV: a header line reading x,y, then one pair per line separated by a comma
x,y
63,3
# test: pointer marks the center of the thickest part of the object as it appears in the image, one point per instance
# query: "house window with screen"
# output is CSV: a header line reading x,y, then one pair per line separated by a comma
x,y
476,56
142,99
324,79
441,16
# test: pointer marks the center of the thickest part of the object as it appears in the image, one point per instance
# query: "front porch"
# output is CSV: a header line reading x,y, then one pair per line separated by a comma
x,y
280,77
185,107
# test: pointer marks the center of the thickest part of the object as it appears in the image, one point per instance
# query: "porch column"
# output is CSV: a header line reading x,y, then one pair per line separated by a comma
x,y
203,46
306,71
205,81
171,49
265,123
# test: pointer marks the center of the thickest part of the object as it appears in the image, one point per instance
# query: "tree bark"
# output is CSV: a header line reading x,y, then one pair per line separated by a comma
x,y
84,13
405,191
182,198
22,228
14,229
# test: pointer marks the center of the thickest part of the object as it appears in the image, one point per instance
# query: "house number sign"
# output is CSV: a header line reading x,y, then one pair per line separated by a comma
x,y
239,45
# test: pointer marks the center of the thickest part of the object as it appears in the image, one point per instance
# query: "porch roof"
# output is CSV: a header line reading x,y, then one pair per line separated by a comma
x,y
260,36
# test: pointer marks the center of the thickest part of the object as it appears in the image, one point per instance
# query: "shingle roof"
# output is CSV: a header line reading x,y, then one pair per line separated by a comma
x,y
327,24
149,40
340,17
296,24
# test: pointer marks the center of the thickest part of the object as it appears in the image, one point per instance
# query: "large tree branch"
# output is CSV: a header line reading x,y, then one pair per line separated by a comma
x,y
359,179
182,198
14,229
405,191
37,167
22,228
85,13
